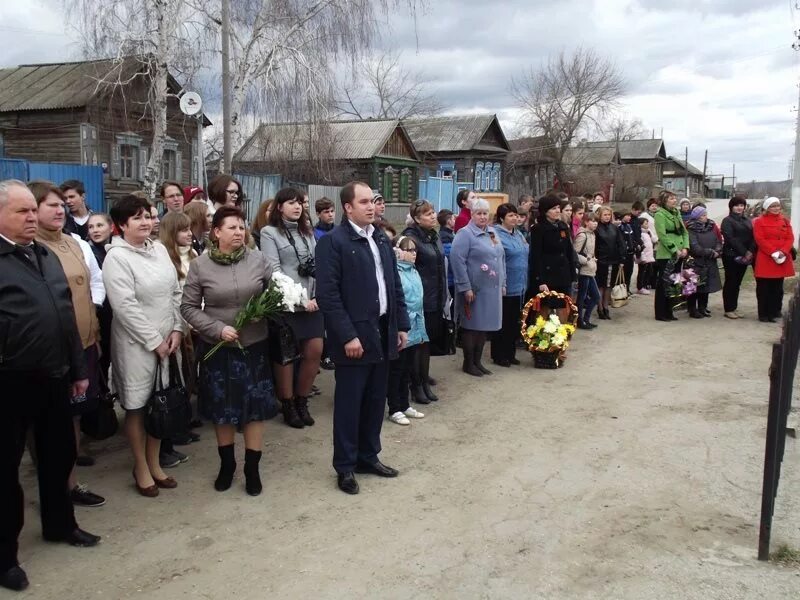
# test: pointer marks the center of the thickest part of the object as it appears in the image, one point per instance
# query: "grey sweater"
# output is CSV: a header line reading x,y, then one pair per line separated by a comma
x,y
214,293
281,256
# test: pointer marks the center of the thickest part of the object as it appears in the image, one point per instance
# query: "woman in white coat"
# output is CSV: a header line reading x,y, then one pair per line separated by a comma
x,y
142,287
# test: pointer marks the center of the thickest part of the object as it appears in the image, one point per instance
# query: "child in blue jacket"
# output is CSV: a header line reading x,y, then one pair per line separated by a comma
x,y
400,369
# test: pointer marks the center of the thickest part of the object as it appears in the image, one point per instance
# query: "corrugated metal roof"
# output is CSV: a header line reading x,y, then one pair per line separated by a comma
x,y
50,86
447,134
634,149
590,155
345,140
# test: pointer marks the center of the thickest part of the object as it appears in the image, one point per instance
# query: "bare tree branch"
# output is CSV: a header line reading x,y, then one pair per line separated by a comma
x,y
565,96
382,88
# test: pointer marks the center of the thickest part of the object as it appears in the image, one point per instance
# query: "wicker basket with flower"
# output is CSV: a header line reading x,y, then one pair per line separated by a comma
x,y
553,317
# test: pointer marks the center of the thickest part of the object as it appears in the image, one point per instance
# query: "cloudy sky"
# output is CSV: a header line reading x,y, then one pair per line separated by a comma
x,y
713,74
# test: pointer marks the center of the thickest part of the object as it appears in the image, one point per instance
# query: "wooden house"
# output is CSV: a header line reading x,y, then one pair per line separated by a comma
x,y
470,148
650,152
590,169
529,167
377,151
95,113
675,176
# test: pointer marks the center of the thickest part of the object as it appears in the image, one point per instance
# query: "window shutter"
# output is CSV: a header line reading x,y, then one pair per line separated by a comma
x,y
115,161
143,162
178,176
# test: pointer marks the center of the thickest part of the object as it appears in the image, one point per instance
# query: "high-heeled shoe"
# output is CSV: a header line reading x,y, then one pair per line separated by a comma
x,y
168,483
150,491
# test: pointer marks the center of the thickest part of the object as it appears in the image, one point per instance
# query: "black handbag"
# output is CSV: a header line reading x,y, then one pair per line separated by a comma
x,y
168,410
282,344
101,423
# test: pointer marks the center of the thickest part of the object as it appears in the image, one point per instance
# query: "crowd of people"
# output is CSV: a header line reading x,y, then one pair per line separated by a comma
x,y
132,300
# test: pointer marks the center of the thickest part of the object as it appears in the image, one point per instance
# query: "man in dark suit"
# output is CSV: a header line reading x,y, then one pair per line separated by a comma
x,y
360,294
41,368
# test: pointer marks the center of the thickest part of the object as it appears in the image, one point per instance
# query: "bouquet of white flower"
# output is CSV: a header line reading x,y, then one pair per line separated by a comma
x,y
282,294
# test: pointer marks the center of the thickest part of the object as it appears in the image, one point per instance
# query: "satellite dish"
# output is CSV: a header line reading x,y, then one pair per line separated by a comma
x,y
191,103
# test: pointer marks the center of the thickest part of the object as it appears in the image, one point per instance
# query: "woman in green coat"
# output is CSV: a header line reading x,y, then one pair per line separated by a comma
x,y
673,242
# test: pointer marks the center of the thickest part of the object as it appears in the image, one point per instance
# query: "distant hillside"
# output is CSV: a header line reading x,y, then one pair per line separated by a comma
x,y
759,189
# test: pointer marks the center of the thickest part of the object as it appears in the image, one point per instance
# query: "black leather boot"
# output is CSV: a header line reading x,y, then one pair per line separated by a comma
x,y
424,372
478,356
290,416
227,467
468,348
301,404
252,479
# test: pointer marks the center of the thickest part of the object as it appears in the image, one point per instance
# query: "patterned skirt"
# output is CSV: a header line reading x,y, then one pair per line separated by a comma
x,y
235,387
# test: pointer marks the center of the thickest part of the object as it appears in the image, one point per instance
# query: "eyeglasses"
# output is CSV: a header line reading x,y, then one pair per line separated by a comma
x,y
233,192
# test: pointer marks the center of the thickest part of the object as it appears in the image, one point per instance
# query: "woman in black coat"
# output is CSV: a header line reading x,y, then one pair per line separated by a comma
x,y
552,265
737,253
431,267
610,252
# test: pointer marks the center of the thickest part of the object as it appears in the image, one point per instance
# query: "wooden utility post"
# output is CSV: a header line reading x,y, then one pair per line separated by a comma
x,y
705,166
227,150
686,173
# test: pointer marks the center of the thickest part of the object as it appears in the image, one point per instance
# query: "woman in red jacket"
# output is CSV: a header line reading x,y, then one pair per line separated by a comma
x,y
774,238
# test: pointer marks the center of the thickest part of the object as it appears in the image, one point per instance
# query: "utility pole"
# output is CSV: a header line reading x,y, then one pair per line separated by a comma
x,y
227,150
705,166
733,184
686,173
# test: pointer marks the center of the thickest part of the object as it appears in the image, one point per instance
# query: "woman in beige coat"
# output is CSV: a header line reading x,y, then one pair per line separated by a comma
x,y
52,215
142,287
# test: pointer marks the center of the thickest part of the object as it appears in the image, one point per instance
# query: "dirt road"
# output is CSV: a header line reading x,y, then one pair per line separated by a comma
x,y
633,472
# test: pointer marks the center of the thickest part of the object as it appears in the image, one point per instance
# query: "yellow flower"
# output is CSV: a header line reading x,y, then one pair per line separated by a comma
x,y
540,321
531,331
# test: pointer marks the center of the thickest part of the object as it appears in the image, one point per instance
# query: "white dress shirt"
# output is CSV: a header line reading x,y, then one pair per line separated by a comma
x,y
368,232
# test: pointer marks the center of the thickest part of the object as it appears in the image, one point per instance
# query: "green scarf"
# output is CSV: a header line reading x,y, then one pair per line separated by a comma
x,y
224,259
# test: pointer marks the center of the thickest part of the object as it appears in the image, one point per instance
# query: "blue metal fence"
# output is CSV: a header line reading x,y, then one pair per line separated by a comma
x,y
13,169
441,191
91,176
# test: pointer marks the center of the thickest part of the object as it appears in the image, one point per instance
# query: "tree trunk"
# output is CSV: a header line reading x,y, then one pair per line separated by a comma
x,y
158,102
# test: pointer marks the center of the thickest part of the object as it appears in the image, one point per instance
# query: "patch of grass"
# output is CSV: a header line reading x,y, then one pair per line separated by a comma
x,y
786,556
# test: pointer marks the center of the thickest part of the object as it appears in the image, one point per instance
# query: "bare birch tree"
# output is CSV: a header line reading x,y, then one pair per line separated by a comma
x,y
566,96
382,88
284,54
163,35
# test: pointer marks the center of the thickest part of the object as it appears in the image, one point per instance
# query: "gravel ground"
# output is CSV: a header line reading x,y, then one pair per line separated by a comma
x,y
633,472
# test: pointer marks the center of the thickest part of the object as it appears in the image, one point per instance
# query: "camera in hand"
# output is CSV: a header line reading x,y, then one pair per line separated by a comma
x,y
307,268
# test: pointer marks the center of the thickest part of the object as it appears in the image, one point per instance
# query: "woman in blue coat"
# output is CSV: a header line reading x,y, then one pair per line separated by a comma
x,y
479,275
401,368
515,247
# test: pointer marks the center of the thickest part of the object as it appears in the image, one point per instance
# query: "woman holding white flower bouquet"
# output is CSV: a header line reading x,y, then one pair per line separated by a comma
x,y
288,243
235,385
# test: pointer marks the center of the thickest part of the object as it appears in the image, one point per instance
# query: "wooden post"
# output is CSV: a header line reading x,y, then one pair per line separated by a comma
x,y
686,174
705,166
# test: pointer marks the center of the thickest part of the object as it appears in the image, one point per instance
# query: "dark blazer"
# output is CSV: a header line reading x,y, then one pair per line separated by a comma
x,y
552,259
430,266
38,332
347,294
